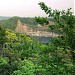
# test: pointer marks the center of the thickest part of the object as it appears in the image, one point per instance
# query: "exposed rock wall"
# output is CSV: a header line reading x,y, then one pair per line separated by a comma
x,y
40,31
21,28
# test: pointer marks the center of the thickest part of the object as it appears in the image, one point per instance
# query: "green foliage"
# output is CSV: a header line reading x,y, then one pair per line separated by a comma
x,y
2,35
3,62
22,55
29,21
11,36
65,24
11,23
55,61
27,56
19,47
41,20
3,65
26,67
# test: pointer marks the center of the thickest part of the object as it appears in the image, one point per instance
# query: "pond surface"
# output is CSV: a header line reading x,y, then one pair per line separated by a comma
x,y
42,39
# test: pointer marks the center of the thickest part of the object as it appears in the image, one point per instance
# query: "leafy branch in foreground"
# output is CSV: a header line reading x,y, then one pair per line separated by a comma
x,y
41,20
65,24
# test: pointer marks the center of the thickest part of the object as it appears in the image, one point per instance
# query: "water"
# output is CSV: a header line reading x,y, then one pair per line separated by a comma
x,y
42,39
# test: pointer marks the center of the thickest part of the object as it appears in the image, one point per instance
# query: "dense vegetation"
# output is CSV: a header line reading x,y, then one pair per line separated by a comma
x,y
11,23
22,55
65,24
42,20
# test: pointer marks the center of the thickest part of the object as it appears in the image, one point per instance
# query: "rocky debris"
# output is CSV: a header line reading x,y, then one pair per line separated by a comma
x,y
42,33
21,28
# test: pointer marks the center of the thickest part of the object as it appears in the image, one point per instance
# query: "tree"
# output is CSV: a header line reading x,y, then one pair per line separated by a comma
x,y
2,35
41,20
26,67
65,24
2,39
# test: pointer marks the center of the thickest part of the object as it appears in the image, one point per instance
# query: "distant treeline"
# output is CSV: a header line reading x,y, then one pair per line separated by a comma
x,y
4,17
11,23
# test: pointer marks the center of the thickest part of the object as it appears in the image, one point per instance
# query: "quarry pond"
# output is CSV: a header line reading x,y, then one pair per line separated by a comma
x,y
42,39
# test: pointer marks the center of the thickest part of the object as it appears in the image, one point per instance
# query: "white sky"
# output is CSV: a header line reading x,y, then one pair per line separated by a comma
x,y
30,8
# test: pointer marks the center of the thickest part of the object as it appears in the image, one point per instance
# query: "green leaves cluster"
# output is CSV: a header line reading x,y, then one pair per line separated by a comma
x,y
3,62
65,23
2,35
25,67
41,20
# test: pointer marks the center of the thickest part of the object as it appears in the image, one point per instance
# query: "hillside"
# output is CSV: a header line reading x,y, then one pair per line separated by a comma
x,y
11,23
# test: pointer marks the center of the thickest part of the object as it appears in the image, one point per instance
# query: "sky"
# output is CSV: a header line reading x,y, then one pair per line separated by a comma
x,y
30,8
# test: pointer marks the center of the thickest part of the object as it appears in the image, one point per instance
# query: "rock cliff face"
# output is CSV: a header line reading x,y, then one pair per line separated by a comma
x,y
21,28
40,31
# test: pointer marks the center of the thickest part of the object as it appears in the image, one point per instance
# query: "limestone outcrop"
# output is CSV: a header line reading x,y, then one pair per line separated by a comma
x,y
21,28
38,31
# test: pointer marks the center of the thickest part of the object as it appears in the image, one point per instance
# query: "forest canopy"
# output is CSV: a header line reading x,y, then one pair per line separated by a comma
x,y
20,54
